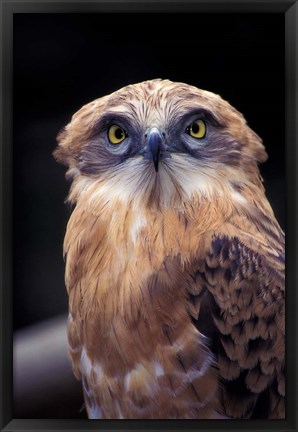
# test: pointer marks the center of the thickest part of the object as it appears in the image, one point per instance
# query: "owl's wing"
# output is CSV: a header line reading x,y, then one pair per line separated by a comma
x,y
238,302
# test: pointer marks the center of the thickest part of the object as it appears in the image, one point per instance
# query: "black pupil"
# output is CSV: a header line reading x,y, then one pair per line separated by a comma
x,y
119,133
195,128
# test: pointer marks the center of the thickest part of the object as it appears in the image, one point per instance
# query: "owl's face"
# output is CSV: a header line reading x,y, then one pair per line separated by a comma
x,y
160,142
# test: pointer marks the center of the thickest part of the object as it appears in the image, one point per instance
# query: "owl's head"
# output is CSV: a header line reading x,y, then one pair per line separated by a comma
x,y
159,142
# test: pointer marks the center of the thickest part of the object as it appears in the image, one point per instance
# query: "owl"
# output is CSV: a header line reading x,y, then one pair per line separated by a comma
x,y
174,259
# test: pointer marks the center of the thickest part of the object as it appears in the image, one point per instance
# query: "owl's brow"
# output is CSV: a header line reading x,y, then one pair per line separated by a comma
x,y
109,118
122,119
202,113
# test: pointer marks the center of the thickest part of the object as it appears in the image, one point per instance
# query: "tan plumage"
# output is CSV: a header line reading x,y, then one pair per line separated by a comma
x,y
174,259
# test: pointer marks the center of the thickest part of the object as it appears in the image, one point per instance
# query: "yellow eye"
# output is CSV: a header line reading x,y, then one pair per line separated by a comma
x,y
116,134
197,129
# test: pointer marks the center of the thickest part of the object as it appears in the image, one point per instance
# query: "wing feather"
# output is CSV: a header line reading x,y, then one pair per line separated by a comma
x,y
239,305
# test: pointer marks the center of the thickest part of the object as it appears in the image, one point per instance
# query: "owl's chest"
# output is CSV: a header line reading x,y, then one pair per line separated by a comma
x,y
134,273
136,263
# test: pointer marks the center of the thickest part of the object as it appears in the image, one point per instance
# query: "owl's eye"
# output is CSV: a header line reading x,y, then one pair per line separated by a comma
x,y
197,129
116,134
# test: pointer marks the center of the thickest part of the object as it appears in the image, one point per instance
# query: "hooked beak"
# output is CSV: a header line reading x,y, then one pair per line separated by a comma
x,y
154,145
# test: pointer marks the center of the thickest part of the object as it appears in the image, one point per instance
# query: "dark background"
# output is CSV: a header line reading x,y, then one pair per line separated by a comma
x,y
62,61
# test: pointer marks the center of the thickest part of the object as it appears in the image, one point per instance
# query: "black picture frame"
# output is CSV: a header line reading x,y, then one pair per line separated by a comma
x,y
8,8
